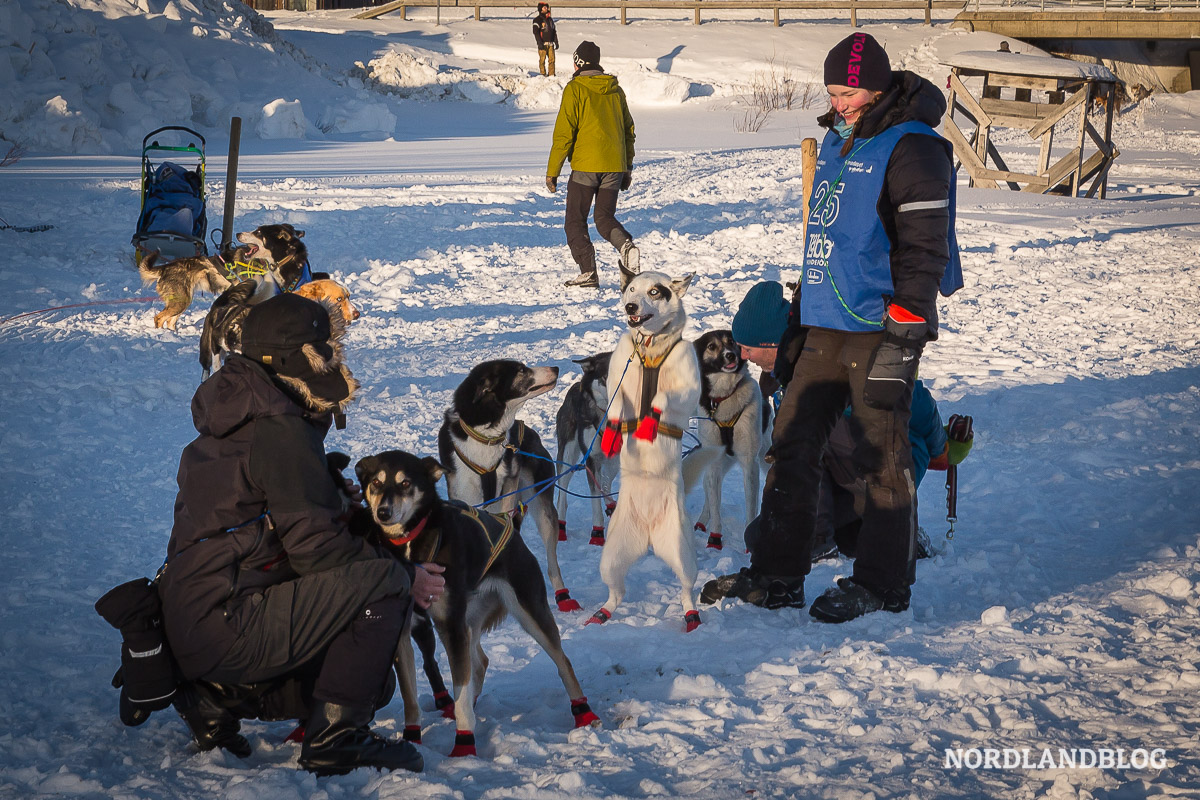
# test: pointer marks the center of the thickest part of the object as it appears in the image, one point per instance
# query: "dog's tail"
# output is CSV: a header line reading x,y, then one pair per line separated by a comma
x,y
695,463
147,269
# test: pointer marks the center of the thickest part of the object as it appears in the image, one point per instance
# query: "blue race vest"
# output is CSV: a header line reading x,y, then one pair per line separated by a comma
x,y
847,264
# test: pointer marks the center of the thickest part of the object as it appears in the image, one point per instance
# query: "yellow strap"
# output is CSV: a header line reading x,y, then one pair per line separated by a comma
x,y
629,426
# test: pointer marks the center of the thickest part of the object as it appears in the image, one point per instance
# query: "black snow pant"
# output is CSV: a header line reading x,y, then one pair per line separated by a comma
x,y
580,196
830,374
341,625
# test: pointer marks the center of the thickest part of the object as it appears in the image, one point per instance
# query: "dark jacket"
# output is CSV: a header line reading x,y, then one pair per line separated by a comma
x,y
919,171
256,508
545,31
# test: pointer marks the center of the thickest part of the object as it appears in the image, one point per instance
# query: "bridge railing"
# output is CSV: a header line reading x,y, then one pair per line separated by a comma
x,y
1091,5
848,8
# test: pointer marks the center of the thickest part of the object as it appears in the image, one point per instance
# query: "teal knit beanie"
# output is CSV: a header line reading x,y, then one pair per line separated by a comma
x,y
762,317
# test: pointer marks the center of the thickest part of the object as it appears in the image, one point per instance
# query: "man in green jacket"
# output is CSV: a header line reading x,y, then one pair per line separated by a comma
x,y
595,131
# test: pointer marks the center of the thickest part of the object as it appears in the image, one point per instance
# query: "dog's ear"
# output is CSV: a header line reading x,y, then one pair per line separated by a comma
x,y
680,286
436,470
588,363
364,468
626,275
337,461
484,387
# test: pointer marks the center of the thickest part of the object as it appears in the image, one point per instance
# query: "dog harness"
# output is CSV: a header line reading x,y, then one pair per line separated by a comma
x,y
650,370
488,474
726,428
504,533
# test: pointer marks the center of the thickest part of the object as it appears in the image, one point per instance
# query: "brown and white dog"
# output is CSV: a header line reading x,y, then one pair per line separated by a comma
x,y
489,571
330,292
177,282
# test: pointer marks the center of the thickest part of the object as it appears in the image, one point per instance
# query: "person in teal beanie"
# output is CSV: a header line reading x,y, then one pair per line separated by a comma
x,y
758,328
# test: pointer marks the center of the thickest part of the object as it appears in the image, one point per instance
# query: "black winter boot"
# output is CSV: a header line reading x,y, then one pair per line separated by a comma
x,y
849,600
337,740
751,586
210,723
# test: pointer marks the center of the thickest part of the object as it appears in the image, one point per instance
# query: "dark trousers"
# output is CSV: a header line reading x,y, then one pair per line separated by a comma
x,y
342,623
579,202
830,374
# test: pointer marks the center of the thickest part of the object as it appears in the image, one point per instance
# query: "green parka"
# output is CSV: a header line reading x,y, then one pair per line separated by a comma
x,y
594,128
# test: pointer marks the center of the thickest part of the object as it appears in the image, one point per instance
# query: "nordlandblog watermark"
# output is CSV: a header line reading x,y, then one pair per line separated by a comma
x,y
1054,758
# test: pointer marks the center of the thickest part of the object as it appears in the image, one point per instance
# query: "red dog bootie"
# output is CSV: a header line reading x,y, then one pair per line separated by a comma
x,y
609,508
691,621
714,541
562,597
699,526
583,713
599,618
562,530
464,744
444,702
597,536
412,733
297,734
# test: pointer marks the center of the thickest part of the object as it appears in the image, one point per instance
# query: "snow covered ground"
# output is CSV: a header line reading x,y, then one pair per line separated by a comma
x,y
1064,614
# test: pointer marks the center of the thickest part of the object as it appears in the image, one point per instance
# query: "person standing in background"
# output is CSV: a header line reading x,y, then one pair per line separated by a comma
x,y
545,34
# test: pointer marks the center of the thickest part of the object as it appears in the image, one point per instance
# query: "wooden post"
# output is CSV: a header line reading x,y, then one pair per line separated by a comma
x,y
776,16
697,18
808,166
853,14
1083,121
623,21
404,12
929,12
477,13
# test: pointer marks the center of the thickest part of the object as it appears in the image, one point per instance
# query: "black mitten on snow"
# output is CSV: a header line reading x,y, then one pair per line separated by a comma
x,y
892,370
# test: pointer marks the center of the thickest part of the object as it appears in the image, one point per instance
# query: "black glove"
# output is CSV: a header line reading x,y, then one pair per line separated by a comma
x,y
552,184
892,370
627,181
788,353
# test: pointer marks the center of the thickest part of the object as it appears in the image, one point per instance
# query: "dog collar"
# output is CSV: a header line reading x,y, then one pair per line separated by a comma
x,y
491,441
648,363
412,534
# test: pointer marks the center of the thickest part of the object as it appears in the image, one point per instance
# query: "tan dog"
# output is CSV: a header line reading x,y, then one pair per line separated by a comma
x,y
177,281
331,293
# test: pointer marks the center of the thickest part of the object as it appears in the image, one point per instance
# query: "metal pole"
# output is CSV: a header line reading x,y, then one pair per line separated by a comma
x,y
235,138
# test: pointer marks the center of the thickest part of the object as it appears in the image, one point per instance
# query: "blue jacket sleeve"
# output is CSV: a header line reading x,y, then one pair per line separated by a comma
x,y
925,430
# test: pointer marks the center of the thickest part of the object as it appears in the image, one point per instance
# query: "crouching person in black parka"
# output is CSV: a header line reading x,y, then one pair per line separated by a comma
x,y
268,601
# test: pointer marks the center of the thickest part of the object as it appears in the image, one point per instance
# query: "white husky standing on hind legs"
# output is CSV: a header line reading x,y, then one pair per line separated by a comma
x,y
653,401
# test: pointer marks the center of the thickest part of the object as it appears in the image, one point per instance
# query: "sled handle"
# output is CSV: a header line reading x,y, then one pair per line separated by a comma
x,y
146,139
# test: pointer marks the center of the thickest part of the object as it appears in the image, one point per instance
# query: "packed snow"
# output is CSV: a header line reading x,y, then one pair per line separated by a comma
x,y
1063,617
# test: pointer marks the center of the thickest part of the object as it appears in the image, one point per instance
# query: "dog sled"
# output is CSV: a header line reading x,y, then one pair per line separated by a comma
x,y
172,219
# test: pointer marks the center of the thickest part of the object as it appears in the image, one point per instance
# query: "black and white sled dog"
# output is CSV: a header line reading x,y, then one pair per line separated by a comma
x,y
280,246
490,573
490,455
649,410
579,418
222,331
735,421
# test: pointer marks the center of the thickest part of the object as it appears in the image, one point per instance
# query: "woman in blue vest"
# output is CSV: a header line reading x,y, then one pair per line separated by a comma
x,y
879,240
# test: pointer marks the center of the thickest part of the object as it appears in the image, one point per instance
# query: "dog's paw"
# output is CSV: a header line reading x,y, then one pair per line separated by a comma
x,y
691,621
600,617
562,597
584,717
464,744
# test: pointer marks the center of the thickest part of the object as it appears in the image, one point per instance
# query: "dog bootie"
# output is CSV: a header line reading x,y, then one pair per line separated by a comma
x,y
584,718
714,541
597,536
586,280
564,601
412,733
562,530
599,618
691,621
464,744
444,703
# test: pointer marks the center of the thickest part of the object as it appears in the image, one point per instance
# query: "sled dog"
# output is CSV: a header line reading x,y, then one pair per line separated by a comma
x,y
176,282
280,246
490,573
579,418
734,421
332,293
490,455
649,410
